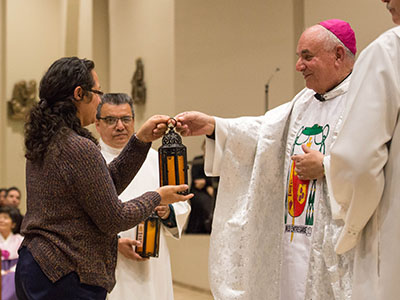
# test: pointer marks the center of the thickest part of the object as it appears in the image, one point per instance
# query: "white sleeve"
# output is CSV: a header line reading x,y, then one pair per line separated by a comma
x,y
215,148
246,130
360,152
336,209
182,211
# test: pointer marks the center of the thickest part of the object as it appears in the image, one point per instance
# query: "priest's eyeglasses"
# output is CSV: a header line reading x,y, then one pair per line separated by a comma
x,y
112,121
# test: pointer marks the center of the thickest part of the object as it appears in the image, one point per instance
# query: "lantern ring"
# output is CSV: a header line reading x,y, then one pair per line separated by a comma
x,y
171,123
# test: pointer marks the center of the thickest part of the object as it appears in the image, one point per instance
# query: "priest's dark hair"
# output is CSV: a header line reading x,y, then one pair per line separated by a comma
x,y
56,112
115,99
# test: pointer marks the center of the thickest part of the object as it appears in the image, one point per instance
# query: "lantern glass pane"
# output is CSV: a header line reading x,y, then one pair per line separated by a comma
x,y
171,170
181,169
151,236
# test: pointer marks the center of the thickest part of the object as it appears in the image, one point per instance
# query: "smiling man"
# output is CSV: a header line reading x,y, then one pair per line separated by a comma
x,y
273,234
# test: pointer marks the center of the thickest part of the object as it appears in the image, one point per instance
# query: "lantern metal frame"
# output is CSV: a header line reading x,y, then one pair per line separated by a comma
x,y
142,236
172,147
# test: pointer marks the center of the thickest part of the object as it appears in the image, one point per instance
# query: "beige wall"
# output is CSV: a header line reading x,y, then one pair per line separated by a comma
x,y
225,51
101,42
209,55
2,92
85,29
30,46
143,29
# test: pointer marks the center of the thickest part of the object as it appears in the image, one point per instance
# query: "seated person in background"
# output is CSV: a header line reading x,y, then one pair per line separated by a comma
x,y
203,202
13,199
9,244
3,193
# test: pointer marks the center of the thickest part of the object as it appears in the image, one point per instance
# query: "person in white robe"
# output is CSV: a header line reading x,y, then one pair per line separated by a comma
x,y
273,234
364,166
137,277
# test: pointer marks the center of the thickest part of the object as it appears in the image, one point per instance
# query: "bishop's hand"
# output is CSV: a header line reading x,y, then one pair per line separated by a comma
x,y
193,123
310,164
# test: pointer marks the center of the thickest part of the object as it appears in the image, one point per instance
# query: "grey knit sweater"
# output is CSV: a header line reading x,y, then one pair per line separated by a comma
x,y
73,211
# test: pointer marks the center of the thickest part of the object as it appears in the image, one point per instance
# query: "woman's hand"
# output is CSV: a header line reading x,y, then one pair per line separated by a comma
x,y
169,194
153,128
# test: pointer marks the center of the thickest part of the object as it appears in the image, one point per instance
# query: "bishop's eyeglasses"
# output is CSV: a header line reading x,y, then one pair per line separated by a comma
x,y
112,121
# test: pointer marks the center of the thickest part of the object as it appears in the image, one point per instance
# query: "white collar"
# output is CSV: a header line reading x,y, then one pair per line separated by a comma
x,y
342,88
109,149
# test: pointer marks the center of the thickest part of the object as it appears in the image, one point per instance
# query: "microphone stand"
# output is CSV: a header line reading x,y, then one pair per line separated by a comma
x,y
267,89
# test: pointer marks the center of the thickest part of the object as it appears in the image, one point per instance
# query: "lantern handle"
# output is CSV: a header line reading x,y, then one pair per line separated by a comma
x,y
170,123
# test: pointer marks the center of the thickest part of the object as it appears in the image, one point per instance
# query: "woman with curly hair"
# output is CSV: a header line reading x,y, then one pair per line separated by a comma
x,y
73,211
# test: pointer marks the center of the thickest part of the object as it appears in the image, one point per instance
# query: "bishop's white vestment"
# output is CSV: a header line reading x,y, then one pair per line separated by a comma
x,y
365,163
273,235
151,279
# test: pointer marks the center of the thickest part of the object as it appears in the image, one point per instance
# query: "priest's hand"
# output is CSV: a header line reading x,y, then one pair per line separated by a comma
x,y
169,194
126,248
192,123
310,164
163,211
153,128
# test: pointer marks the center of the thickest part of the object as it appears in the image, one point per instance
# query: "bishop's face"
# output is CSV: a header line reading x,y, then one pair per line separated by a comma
x,y
315,62
394,7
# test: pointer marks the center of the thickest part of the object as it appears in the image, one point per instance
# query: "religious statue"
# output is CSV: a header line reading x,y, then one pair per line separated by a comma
x,y
138,85
23,98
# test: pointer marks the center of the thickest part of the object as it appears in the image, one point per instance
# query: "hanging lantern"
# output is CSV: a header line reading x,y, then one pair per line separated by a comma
x,y
173,171
172,159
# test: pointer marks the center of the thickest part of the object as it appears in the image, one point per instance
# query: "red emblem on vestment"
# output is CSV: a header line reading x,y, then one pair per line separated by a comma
x,y
297,193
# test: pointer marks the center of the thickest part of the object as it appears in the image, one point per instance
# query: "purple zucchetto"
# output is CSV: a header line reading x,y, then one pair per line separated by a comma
x,y
343,31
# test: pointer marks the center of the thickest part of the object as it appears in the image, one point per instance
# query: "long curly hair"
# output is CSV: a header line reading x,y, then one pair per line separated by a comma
x,y
56,112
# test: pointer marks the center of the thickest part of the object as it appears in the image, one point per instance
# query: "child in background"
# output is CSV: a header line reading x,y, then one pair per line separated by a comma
x,y
9,245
